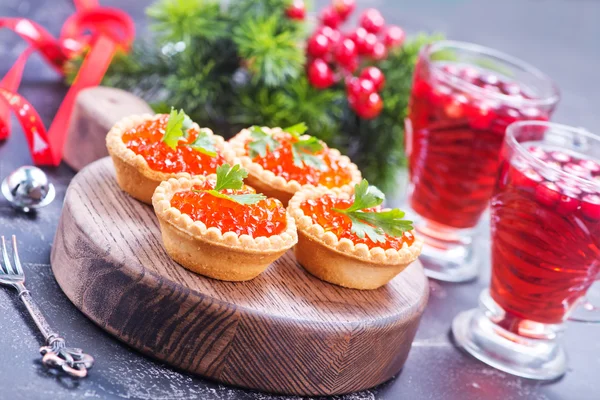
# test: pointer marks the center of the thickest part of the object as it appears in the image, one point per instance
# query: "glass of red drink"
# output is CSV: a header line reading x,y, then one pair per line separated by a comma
x,y
545,232
463,98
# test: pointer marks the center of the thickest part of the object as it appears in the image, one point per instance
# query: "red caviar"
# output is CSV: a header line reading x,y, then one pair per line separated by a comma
x,y
265,218
320,210
280,161
146,140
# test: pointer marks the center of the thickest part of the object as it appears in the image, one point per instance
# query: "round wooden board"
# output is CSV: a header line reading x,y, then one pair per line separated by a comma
x,y
283,332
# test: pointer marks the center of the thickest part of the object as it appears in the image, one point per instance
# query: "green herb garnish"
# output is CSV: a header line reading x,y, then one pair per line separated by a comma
x,y
229,177
371,223
204,143
303,150
297,130
177,131
261,142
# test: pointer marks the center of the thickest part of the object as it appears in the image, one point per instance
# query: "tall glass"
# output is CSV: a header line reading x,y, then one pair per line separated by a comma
x,y
463,98
545,225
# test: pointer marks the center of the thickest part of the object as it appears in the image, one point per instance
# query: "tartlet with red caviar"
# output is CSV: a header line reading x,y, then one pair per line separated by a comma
x,y
345,238
148,149
280,161
218,227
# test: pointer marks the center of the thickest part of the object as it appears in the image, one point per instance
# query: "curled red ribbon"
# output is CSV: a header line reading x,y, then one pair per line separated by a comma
x,y
111,29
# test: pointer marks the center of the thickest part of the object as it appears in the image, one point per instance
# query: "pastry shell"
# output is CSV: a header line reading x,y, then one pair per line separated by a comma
x,y
340,261
265,181
134,175
208,251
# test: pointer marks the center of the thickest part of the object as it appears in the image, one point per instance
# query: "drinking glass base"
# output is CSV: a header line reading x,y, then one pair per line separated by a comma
x,y
477,333
448,254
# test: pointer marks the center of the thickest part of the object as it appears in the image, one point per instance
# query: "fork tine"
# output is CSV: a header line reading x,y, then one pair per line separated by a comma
x,y
16,256
2,270
7,264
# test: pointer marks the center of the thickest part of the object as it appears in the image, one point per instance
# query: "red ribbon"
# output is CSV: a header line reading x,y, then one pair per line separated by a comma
x,y
110,30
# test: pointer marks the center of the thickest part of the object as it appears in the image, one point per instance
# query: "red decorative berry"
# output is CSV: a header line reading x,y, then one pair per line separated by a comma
x,y
318,45
333,35
379,52
352,87
372,20
329,17
319,74
296,10
358,36
346,53
375,75
369,108
394,36
344,7
352,66
367,45
360,89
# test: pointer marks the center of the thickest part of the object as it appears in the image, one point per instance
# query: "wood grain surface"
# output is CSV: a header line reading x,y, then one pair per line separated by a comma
x,y
96,110
283,332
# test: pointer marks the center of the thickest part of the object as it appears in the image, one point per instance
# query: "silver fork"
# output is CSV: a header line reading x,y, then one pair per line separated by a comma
x,y
55,353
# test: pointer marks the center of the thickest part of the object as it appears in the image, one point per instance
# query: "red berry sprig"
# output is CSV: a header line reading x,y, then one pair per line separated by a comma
x,y
296,10
334,56
363,95
319,74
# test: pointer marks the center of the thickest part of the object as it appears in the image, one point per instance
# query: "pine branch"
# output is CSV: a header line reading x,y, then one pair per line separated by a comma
x,y
296,101
185,20
271,55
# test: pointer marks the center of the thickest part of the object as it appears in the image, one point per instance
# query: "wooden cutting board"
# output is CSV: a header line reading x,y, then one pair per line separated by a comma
x,y
283,332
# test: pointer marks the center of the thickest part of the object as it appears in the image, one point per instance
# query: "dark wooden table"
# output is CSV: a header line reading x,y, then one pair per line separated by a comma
x,y
559,36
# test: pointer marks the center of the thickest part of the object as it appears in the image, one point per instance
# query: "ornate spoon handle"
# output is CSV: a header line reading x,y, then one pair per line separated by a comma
x,y
55,354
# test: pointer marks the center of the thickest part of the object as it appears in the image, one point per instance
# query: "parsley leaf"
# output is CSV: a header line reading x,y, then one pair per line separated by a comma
x,y
390,222
361,229
374,224
366,196
303,150
246,199
204,143
302,158
187,123
176,129
229,177
297,130
310,145
261,142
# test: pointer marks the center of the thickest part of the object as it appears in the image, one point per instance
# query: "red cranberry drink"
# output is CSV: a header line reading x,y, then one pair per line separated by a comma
x,y
463,98
545,225
545,231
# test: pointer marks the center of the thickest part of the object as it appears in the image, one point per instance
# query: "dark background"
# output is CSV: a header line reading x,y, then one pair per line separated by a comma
x,y
561,37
